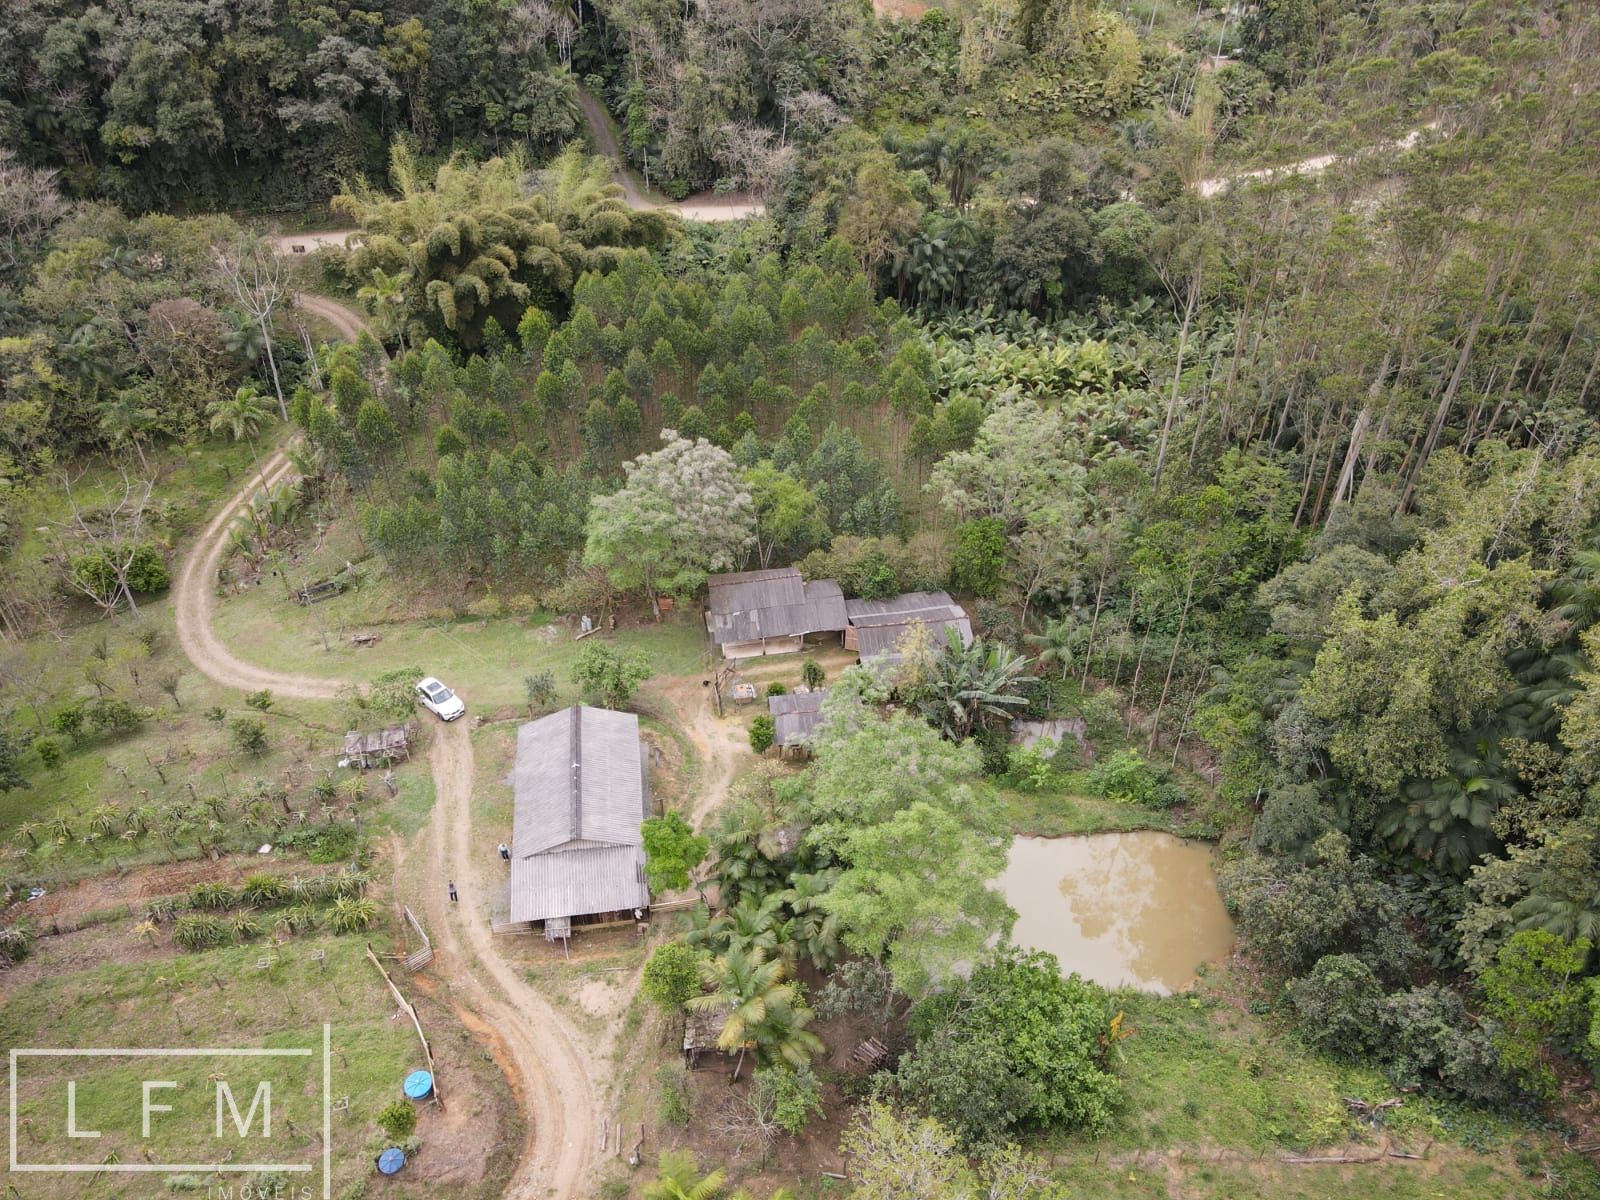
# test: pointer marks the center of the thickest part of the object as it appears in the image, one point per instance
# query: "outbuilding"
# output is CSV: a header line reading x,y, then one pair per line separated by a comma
x,y
794,716
581,791
751,613
876,626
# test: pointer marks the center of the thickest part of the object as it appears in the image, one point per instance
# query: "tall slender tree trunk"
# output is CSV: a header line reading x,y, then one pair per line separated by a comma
x,y
1172,661
272,362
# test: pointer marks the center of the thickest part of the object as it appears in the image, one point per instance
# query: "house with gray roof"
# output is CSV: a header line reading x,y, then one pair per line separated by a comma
x,y
581,791
751,613
794,716
876,626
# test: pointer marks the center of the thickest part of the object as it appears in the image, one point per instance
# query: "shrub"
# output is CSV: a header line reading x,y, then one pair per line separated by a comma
x,y
264,890
1436,1044
69,720
763,731
199,932
249,734
1033,768
1128,779
398,1119
812,674
776,689
540,690
111,715
791,1094
211,897
351,915
671,976
260,701
148,570
331,844
393,694
1340,1006
16,943
675,1102
245,927
49,749
1016,1044
672,851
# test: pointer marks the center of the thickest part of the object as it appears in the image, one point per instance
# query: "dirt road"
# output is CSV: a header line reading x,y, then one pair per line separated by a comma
x,y
702,206
555,1081
1310,166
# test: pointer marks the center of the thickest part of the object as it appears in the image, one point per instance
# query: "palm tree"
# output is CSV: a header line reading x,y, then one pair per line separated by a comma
x,y
764,1013
1450,820
28,830
126,422
680,1179
967,684
816,929
386,297
1055,643
242,418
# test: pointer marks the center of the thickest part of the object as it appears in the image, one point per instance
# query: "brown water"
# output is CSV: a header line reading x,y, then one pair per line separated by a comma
x,y
1122,909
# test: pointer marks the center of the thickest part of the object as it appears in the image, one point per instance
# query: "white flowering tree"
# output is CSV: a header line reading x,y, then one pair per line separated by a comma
x,y
682,513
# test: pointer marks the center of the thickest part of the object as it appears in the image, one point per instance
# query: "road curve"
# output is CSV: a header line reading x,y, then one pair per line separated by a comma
x,y
555,1084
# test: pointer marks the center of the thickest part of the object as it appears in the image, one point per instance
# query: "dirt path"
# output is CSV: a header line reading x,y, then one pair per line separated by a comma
x,y
703,206
1310,166
347,322
554,1079
720,741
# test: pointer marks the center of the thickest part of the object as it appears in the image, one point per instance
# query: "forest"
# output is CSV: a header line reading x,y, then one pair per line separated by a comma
x,y
1287,485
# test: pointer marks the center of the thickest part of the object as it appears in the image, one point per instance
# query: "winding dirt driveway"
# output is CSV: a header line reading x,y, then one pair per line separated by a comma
x,y
554,1075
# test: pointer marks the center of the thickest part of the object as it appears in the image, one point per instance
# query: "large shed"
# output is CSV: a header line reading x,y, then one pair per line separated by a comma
x,y
581,791
794,716
876,626
751,613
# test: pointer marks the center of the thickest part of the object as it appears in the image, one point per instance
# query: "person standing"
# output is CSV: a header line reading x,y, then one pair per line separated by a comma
x,y
505,852
453,896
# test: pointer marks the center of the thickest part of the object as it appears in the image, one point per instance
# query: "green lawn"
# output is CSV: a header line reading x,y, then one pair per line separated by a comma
x,y
486,660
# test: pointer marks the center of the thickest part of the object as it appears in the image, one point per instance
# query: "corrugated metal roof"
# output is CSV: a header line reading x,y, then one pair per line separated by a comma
x,y
578,779
880,640
880,624
795,715
897,610
794,702
576,883
750,605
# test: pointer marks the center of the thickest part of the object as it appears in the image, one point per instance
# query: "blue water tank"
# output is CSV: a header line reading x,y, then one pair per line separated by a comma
x,y
419,1085
391,1160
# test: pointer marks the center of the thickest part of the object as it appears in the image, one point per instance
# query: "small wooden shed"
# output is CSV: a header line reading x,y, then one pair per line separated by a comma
x,y
701,1029
380,748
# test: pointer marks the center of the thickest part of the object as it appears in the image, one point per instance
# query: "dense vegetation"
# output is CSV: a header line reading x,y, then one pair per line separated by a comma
x,y
1290,483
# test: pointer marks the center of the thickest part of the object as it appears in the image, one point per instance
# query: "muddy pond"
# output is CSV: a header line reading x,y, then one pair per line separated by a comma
x,y
1123,909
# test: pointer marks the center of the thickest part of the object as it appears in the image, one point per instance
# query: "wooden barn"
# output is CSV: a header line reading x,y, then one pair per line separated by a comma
x,y
794,716
752,613
581,791
876,626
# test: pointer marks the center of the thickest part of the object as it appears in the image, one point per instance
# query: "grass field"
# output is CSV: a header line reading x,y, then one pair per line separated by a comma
x,y
221,999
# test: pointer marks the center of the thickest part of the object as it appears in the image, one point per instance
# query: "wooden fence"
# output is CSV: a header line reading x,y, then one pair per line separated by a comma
x,y
421,957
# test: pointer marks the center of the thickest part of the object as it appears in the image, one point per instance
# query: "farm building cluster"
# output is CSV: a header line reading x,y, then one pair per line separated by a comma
x,y
752,613
580,780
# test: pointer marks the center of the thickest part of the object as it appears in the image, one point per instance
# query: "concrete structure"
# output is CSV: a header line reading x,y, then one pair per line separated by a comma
x,y
581,792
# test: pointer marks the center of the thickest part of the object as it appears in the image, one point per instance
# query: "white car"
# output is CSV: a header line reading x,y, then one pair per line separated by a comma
x,y
439,700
